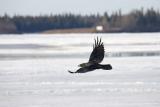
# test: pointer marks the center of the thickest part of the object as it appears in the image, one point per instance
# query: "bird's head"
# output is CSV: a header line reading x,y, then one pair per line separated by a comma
x,y
83,65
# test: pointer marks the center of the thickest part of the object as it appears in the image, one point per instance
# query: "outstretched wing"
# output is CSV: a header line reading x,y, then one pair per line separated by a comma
x,y
97,54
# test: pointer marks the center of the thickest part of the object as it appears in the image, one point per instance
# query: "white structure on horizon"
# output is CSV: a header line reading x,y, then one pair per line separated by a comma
x,y
99,28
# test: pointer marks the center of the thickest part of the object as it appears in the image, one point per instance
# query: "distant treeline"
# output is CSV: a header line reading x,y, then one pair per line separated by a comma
x,y
135,21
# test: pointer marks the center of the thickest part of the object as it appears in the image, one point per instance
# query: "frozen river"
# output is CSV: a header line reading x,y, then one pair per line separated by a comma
x,y
33,71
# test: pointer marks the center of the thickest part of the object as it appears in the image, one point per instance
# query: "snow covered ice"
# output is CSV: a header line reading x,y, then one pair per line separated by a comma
x,y
33,71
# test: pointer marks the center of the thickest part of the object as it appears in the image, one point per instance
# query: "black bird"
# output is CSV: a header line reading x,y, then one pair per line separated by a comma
x,y
96,57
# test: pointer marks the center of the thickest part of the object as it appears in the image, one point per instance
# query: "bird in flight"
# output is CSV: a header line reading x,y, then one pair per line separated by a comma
x,y
95,59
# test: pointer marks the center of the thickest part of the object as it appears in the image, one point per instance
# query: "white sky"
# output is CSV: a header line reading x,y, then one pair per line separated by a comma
x,y
37,7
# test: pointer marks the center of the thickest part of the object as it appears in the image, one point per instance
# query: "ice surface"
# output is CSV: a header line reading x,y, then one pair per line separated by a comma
x,y
33,71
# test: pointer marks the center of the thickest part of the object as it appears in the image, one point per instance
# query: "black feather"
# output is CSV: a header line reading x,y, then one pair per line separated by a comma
x,y
96,57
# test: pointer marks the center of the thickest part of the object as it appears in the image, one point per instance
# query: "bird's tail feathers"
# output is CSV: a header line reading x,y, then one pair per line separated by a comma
x,y
106,67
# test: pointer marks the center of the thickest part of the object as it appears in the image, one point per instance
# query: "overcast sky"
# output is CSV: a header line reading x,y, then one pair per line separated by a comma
x,y
37,7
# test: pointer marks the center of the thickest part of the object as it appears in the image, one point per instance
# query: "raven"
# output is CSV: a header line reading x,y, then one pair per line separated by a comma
x,y
96,57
